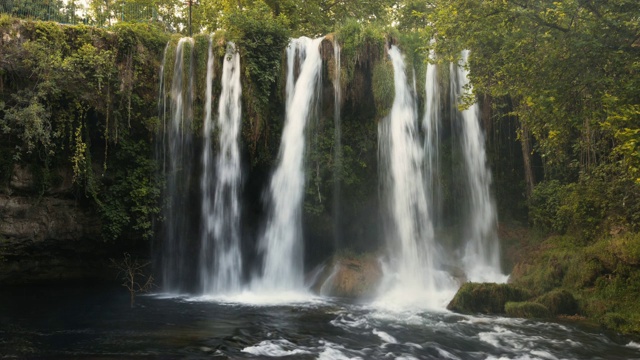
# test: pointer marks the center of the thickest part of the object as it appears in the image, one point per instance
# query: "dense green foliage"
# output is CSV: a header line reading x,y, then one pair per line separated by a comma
x,y
70,97
568,73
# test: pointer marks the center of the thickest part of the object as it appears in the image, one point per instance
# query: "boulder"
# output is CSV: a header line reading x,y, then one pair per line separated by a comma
x,y
349,276
486,298
559,302
526,309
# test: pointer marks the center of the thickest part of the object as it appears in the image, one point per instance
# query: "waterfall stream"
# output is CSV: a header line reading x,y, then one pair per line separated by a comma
x,y
481,256
221,265
207,249
412,276
178,162
282,241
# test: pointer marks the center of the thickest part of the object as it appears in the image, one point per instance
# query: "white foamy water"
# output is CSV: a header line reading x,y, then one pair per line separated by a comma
x,y
633,345
275,348
262,298
282,240
385,337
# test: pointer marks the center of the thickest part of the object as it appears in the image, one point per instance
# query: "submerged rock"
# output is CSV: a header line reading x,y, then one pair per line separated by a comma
x,y
486,298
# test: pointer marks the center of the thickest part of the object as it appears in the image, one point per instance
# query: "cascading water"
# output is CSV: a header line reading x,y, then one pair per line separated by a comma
x,y
221,262
337,148
177,156
282,240
481,257
431,128
412,277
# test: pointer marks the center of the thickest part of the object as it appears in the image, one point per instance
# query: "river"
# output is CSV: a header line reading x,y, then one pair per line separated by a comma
x,y
96,322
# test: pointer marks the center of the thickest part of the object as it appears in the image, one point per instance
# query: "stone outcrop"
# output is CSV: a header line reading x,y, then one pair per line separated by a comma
x,y
47,235
349,276
46,218
486,298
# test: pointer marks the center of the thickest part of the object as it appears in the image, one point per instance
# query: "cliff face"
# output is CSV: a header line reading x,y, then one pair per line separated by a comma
x,y
77,120
47,235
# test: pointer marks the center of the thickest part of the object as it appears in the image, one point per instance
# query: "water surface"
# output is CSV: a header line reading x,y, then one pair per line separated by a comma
x,y
94,322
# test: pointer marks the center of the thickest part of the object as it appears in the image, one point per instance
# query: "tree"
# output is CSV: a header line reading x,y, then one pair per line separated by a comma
x,y
133,277
568,72
37,9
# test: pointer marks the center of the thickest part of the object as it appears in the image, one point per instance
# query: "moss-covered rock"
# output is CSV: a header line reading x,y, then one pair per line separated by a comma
x,y
559,302
599,279
526,309
486,298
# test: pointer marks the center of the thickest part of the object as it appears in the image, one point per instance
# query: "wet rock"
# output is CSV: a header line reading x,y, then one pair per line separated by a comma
x,y
21,178
37,219
486,298
350,276
47,238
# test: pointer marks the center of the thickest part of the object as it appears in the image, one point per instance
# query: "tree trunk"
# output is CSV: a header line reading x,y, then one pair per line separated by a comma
x,y
525,142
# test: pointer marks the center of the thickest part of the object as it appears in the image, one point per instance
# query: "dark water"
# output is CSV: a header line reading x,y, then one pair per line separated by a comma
x,y
97,323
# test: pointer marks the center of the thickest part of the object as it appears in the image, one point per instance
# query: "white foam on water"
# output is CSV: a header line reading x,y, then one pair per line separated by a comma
x,y
297,298
447,355
470,319
633,345
331,351
385,337
406,357
493,337
348,321
275,348
166,295
334,354
401,299
543,354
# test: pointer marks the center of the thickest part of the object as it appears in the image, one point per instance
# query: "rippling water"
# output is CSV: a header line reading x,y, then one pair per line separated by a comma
x,y
78,322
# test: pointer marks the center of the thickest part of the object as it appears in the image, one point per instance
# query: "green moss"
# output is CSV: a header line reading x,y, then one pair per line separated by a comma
x,y
383,87
526,309
362,45
559,302
600,280
486,298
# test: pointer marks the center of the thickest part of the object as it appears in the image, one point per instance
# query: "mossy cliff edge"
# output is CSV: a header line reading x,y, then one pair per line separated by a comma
x,y
563,277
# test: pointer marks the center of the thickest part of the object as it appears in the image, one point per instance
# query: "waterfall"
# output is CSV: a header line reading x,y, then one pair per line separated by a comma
x,y
281,243
177,155
412,275
481,256
221,263
337,148
431,128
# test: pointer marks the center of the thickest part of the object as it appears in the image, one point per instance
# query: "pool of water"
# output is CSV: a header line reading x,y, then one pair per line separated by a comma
x,y
98,323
